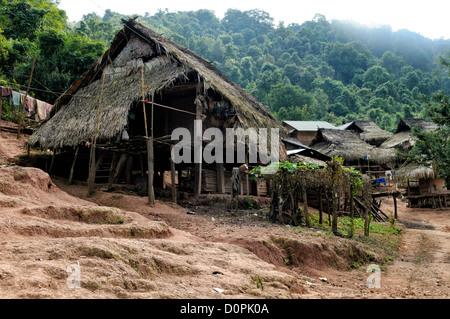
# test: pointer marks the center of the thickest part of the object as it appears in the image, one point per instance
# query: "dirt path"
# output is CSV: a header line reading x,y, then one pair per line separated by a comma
x,y
422,269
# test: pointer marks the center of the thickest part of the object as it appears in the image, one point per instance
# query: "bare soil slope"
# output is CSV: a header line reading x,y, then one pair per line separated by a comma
x,y
126,249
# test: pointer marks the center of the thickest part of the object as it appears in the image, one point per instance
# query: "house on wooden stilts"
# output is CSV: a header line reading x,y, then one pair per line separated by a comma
x,y
129,103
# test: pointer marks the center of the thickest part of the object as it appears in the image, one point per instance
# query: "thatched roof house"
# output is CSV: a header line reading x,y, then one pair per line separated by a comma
x,y
143,66
368,131
169,69
403,140
351,148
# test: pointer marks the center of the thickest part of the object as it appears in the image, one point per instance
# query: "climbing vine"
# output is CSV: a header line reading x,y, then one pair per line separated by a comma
x,y
334,187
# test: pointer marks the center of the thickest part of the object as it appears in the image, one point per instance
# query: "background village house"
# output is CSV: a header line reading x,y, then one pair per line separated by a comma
x,y
305,131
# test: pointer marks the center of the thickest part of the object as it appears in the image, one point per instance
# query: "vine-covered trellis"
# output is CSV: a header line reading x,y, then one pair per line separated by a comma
x,y
334,187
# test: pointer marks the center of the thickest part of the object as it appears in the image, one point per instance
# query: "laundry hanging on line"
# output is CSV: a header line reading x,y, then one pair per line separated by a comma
x,y
32,106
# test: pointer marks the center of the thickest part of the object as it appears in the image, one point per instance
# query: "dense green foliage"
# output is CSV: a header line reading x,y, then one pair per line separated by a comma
x,y
434,147
327,70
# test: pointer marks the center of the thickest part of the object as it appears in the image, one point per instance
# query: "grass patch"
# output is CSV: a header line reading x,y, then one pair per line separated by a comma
x,y
384,238
101,215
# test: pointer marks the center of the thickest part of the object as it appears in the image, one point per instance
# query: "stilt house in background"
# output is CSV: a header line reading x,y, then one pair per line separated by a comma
x,y
368,131
176,86
354,151
424,189
403,139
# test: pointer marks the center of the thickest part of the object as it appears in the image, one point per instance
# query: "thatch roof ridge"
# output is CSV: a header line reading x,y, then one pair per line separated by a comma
x,y
349,146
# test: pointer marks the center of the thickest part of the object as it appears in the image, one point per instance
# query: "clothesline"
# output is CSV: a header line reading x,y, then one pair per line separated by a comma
x,y
33,106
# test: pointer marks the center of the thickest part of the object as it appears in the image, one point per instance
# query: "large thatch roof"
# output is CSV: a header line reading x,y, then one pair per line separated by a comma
x,y
369,131
74,117
350,147
415,172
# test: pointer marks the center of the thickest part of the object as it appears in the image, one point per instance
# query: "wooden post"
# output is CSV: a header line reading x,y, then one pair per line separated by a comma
x,y
198,138
52,162
394,195
151,164
115,159
258,190
1,106
129,170
150,149
73,165
320,207
25,99
92,168
220,178
172,173
305,206
91,180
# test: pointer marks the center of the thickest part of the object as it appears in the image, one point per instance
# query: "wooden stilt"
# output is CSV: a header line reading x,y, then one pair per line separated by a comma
x,y
320,207
52,162
72,170
1,106
91,180
395,206
115,160
172,173
151,168
92,168
220,179
129,170
305,206
197,156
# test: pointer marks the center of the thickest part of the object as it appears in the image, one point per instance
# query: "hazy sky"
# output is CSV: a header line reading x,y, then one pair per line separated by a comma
x,y
427,17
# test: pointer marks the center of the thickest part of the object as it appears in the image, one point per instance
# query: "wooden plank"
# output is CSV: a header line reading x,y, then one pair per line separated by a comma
x,y
220,178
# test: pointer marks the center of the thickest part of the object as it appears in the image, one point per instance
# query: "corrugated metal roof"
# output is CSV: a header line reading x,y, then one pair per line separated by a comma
x,y
309,125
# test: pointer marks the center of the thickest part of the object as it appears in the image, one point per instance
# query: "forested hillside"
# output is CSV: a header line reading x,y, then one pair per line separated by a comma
x,y
327,70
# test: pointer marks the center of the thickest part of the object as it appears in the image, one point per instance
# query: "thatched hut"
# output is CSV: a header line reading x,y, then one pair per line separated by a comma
x,y
368,131
352,149
423,187
146,85
403,139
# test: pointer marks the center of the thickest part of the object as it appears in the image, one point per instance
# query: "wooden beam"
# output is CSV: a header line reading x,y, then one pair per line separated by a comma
x,y
220,178
91,180
73,165
395,206
115,160
52,162
197,156
129,170
172,174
